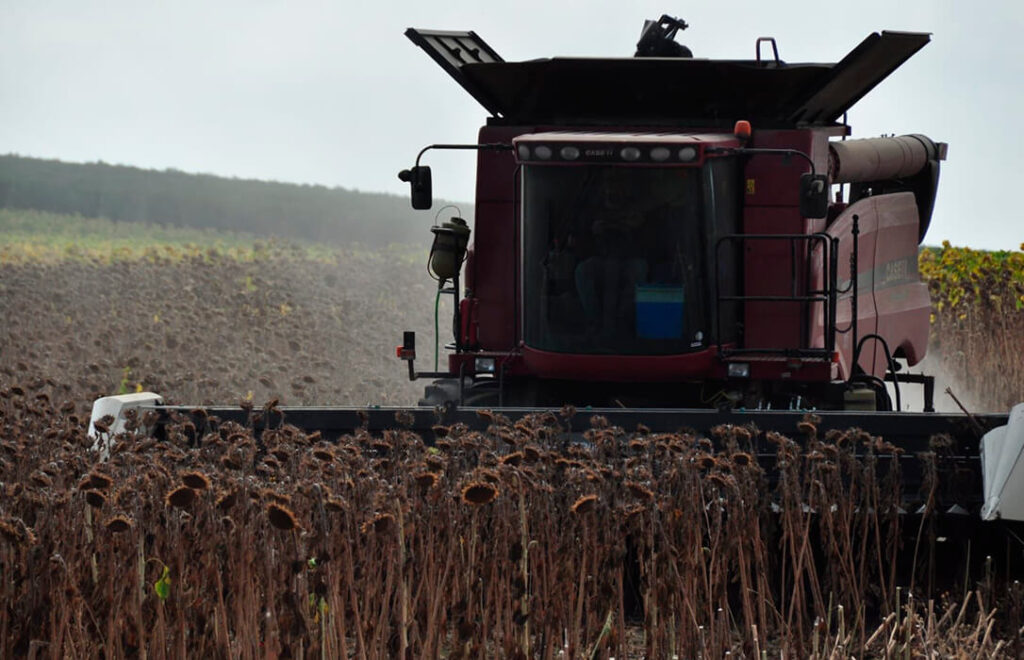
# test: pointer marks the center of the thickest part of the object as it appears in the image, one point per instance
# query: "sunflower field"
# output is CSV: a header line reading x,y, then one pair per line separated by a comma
x,y
514,540
978,320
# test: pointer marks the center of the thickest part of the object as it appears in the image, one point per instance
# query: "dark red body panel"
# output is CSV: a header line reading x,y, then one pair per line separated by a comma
x,y
892,301
771,206
620,368
496,248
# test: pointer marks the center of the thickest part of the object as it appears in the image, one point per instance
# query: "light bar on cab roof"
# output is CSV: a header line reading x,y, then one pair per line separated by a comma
x,y
641,149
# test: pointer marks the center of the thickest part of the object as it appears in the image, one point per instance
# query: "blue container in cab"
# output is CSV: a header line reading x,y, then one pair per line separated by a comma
x,y
659,311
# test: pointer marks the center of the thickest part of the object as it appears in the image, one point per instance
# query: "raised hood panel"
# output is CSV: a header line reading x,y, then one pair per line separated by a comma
x,y
666,90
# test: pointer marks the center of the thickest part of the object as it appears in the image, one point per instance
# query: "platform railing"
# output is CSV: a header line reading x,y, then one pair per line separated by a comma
x,y
799,293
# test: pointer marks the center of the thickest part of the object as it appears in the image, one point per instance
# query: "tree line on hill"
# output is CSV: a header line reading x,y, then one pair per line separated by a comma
x,y
171,197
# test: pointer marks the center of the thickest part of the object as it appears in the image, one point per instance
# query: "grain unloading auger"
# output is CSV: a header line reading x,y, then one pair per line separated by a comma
x,y
679,243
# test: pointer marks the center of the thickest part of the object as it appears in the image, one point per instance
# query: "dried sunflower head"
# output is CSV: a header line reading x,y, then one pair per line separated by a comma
x,y
181,497
226,499
118,523
16,532
584,504
742,459
425,480
95,498
281,516
382,523
99,480
323,454
195,480
479,493
515,458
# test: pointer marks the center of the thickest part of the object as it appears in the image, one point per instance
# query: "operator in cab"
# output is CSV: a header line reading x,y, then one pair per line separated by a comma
x,y
624,246
606,279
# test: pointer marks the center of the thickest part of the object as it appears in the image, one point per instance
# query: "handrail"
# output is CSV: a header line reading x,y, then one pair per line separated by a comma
x,y
827,296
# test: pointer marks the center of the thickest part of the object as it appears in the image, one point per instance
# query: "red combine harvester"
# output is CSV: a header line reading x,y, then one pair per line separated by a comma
x,y
658,231
680,243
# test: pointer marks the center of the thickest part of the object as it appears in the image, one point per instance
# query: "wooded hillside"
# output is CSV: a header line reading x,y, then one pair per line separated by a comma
x,y
171,197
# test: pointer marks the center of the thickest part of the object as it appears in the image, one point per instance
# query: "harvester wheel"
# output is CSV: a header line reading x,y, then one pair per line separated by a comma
x,y
440,393
480,394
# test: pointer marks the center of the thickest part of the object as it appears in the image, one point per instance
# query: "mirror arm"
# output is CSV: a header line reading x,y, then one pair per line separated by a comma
x,y
813,187
418,177
753,151
474,147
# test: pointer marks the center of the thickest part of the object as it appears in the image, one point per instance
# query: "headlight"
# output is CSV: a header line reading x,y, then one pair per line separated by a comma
x,y
524,152
569,152
484,365
660,154
686,154
630,153
543,152
739,370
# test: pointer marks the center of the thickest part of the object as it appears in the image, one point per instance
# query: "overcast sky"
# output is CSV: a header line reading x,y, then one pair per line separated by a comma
x,y
333,93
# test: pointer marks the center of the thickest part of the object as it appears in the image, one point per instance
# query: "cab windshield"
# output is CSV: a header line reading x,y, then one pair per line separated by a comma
x,y
614,259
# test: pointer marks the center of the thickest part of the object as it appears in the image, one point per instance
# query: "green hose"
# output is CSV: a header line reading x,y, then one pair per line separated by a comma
x,y
437,300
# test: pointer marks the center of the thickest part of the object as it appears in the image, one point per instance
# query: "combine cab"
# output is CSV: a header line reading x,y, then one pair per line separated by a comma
x,y
681,243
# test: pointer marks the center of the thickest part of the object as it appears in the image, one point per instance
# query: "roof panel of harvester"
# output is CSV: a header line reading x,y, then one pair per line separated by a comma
x,y
666,90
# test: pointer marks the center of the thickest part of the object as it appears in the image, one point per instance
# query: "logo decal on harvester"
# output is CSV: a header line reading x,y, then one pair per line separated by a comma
x,y
750,187
890,274
895,272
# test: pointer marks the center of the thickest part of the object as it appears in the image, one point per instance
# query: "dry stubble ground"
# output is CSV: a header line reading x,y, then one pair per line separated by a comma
x,y
211,328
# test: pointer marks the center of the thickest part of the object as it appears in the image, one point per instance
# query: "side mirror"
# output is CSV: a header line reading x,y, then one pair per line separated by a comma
x,y
419,184
813,195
